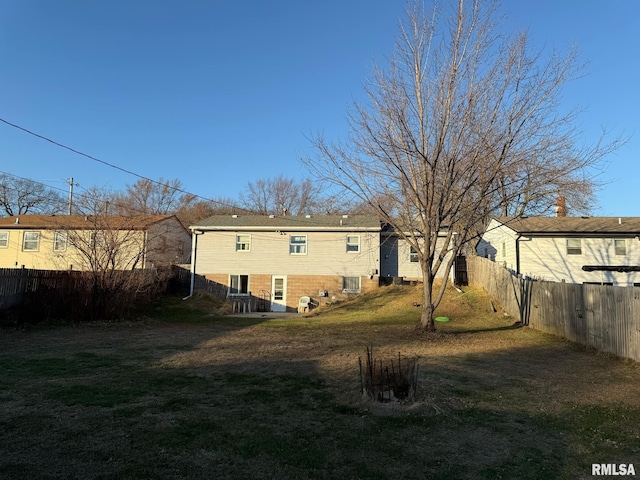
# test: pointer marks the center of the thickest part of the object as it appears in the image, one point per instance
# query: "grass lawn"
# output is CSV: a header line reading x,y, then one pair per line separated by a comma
x,y
189,394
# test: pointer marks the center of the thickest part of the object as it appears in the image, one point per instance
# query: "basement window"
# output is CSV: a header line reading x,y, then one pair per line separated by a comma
x,y
351,284
238,285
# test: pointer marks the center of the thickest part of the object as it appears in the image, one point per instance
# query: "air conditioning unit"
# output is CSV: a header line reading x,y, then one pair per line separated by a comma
x,y
323,293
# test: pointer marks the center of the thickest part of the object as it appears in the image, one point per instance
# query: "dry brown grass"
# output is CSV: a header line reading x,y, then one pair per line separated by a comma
x,y
249,397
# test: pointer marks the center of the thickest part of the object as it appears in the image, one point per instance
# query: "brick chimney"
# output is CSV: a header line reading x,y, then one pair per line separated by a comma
x,y
561,207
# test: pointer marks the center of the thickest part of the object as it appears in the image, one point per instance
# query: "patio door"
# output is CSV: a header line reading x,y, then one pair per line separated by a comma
x,y
278,294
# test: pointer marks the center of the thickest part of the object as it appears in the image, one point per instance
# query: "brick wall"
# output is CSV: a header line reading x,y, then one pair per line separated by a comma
x,y
301,285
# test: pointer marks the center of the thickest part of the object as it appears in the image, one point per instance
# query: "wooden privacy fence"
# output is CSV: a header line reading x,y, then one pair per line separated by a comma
x,y
32,296
600,316
16,283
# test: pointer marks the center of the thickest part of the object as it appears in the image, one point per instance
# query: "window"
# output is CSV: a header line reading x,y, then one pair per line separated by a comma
x,y
413,255
60,241
351,284
31,241
574,246
97,238
4,239
243,243
504,249
238,284
620,245
353,243
298,245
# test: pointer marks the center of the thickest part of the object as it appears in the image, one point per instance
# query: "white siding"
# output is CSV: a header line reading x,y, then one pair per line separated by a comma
x,y
498,243
547,259
269,254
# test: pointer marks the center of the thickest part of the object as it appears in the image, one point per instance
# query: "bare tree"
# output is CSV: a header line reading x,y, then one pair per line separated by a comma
x,y
461,112
190,212
281,194
19,196
117,254
152,197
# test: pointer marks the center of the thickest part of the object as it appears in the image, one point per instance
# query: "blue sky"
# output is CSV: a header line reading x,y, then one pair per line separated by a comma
x,y
218,93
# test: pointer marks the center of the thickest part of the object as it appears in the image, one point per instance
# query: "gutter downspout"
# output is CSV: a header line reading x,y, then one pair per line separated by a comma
x,y
194,250
518,253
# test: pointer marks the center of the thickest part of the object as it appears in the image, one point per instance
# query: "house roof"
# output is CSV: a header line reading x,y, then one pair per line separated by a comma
x,y
298,223
116,222
573,225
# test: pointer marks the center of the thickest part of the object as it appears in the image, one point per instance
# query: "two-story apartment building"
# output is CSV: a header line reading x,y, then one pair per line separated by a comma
x,y
288,257
78,242
603,250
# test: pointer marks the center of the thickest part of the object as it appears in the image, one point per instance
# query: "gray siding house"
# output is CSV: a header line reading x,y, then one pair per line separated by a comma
x,y
284,258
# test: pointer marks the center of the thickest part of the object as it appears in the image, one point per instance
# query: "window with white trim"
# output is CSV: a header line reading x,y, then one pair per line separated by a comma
x,y
413,255
298,245
238,284
620,246
31,241
574,246
243,243
4,239
97,238
351,284
60,241
353,243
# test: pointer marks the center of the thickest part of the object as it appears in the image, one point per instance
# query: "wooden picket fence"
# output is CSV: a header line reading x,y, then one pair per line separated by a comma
x,y
601,316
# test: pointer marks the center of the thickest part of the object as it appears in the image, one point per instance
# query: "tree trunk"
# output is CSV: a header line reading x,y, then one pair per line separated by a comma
x,y
426,319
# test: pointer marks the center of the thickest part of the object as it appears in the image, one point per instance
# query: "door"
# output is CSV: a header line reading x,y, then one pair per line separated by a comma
x,y
278,294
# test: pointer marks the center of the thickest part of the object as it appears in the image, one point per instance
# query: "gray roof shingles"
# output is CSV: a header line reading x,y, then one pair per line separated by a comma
x,y
573,225
313,222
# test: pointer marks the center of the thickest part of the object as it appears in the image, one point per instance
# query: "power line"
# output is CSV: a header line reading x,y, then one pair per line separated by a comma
x,y
137,175
111,165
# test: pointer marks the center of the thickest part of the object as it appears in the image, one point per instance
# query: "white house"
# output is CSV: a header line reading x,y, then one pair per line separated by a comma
x,y
601,250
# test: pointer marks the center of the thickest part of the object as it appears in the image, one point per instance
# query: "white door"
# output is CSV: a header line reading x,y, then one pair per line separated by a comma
x,y
278,294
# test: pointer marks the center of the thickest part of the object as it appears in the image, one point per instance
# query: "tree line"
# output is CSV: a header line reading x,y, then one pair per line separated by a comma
x,y
272,196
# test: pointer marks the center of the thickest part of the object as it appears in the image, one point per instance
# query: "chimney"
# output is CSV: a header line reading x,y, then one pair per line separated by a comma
x,y
561,207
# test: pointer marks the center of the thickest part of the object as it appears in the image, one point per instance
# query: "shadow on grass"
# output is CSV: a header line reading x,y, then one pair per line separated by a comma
x,y
204,398
515,326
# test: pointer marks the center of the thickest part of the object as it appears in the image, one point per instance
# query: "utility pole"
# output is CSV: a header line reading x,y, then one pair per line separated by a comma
x,y
71,184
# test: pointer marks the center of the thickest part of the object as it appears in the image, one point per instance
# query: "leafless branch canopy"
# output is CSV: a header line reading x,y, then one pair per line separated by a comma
x,y
463,122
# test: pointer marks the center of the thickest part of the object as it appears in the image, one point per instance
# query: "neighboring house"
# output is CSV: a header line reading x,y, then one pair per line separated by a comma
x,y
399,259
602,250
78,242
282,259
